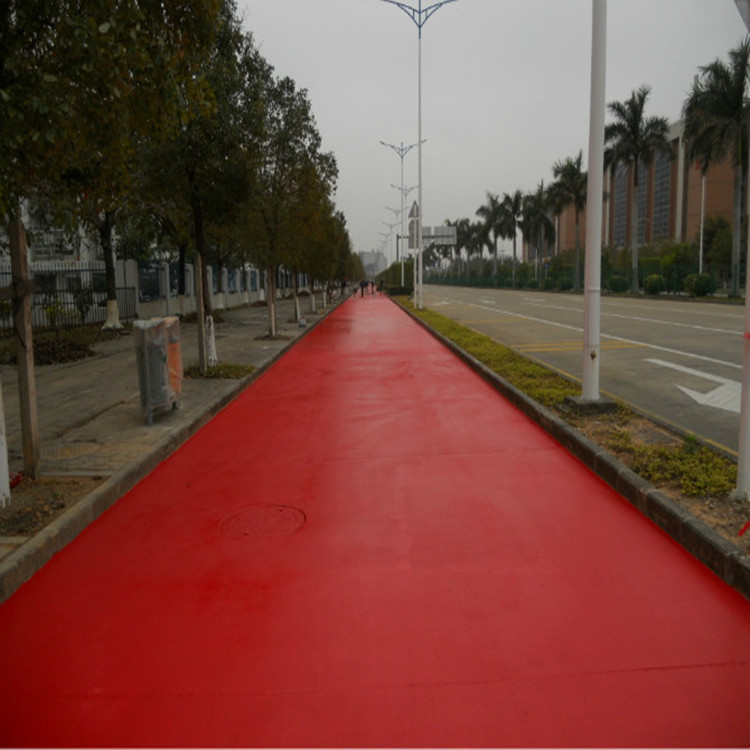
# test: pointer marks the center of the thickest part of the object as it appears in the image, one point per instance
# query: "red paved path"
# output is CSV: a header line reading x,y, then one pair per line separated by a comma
x,y
459,580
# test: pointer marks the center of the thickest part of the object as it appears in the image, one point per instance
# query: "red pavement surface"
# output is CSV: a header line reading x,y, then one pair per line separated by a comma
x,y
371,547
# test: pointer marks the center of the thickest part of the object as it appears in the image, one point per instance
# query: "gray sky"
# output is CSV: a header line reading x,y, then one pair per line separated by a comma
x,y
505,88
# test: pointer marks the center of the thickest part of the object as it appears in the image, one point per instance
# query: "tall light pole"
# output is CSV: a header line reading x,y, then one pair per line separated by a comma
x,y
391,227
742,490
402,151
419,16
594,192
404,195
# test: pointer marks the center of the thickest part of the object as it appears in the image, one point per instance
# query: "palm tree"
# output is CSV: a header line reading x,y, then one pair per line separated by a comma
x,y
476,239
511,211
491,213
715,115
463,236
537,225
634,139
570,190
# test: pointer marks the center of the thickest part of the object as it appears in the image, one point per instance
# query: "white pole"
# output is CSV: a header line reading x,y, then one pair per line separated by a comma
x,y
418,254
595,188
743,456
403,212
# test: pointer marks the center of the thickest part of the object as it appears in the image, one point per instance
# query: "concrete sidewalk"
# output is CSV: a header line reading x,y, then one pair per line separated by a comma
x,y
92,424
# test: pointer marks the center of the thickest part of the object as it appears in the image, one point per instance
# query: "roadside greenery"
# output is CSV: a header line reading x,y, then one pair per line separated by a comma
x,y
162,132
693,469
715,116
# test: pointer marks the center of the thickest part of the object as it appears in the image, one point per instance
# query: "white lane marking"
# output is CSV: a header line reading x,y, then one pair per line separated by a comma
x,y
726,396
642,320
666,349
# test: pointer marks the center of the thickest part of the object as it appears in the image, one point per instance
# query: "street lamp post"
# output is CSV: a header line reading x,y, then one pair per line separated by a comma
x,y
742,490
592,282
419,16
402,151
391,227
404,195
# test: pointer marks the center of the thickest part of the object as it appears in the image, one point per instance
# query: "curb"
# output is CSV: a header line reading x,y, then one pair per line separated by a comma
x,y
700,540
19,566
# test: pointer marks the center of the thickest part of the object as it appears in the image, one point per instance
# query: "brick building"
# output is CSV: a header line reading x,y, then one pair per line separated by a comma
x,y
669,201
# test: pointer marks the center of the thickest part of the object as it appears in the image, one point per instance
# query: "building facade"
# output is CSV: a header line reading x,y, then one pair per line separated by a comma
x,y
672,197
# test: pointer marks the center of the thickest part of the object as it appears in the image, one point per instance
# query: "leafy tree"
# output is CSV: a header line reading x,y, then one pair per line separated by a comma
x,y
206,168
715,113
313,245
289,142
633,139
81,84
570,190
717,245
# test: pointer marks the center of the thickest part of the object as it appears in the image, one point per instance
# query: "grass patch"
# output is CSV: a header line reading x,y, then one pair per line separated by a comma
x,y
695,470
220,371
60,345
544,386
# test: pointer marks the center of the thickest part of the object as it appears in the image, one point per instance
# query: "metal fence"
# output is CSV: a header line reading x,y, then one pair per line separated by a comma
x,y
64,298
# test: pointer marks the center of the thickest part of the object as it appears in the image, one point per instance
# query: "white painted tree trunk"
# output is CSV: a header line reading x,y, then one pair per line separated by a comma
x,y
112,323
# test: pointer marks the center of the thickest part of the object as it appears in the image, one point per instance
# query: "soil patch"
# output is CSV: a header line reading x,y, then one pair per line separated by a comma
x,y
725,516
36,502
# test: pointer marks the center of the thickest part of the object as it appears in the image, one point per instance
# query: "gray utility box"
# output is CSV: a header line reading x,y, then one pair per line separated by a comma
x,y
159,357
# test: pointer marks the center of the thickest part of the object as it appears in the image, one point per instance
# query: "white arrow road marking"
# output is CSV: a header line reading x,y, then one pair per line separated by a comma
x,y
726,396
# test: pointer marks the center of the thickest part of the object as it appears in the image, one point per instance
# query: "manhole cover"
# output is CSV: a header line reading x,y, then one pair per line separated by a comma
x,y
263,522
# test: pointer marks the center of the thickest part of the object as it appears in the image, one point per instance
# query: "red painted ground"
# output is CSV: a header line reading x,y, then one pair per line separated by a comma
x,y
459,580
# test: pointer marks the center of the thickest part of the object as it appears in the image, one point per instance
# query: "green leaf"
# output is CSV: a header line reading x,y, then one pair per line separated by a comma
x,y
104,28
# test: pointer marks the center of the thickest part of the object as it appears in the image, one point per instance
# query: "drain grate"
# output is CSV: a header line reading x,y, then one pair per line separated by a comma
x,y
263,522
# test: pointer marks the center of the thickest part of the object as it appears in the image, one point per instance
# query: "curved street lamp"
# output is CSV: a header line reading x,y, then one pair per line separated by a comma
x,y
419,16
402,151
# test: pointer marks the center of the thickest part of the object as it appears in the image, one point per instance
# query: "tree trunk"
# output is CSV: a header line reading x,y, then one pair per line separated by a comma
x,y
202,297
515,260
105,240
207,290
25,349
272,328
295,293
634,287
312,295
181,274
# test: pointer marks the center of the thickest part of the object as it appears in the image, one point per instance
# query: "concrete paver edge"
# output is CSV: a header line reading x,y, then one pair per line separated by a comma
x,y
700,540
19,566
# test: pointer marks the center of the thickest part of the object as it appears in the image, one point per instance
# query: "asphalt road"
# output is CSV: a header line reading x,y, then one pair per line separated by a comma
x,y
678,360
